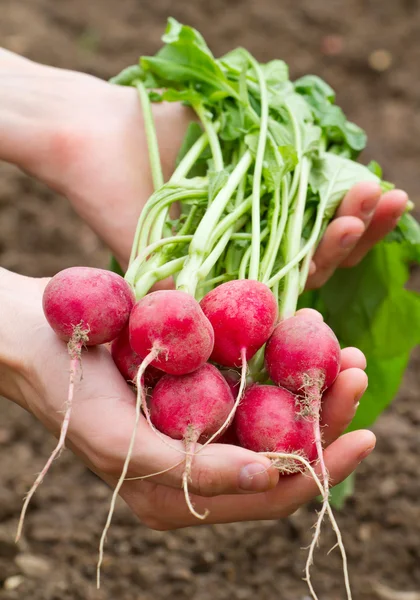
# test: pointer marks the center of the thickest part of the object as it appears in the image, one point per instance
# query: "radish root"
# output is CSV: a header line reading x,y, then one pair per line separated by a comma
x,y
75,344
231,415
141,397
190,443
278,456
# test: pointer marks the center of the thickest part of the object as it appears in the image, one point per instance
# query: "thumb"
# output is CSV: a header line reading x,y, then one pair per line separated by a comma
x,y
222,469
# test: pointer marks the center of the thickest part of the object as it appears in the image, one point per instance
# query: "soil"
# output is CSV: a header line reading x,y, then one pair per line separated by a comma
x,y
369,51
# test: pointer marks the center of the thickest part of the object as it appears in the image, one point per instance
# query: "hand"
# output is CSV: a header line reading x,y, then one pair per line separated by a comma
x,y
34,367
85,138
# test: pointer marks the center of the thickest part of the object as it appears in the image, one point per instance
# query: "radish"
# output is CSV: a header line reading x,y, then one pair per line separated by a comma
x,y
303,355
170,328
84,306
267,420
191,408
127,361
243,314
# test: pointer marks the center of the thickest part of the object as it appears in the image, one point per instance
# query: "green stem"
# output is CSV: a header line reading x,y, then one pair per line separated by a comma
x,y
180,172
313,238
163,205
199,246
133,271
212,137
294,235
247,256
230,220
274,225
280,230
254,266
152,143
146,281
190,159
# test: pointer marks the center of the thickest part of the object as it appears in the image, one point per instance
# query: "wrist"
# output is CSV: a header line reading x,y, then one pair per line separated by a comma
x,y
20,300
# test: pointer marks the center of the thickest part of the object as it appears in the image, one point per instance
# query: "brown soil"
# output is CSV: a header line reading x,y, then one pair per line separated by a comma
x,y
381,523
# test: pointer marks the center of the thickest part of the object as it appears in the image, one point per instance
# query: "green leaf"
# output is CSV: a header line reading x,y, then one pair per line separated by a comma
x,y
342,491
232,122
407,232
331,118
334,175
186,59
277,160
275,72
312,84
217,180
128,75
188,96
235,61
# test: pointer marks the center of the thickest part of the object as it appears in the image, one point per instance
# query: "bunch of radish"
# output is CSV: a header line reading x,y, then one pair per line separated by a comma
x,y
224,355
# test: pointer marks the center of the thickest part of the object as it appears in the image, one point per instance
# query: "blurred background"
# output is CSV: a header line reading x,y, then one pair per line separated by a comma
x,y
369,51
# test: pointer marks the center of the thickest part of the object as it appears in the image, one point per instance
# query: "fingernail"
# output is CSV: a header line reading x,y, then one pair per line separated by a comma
x,y
349,240
368,207
359,396
254,478
366,453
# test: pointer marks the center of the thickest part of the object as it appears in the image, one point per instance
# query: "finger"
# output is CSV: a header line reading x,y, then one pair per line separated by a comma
x,y
340,238
390,208
361,201
341,459
310,313
352,357
340,401
10,60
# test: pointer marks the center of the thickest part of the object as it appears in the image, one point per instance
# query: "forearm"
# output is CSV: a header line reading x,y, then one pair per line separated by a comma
x,y
86,139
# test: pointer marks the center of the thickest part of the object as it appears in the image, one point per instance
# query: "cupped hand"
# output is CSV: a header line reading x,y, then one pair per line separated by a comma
x,y
85,138
233,483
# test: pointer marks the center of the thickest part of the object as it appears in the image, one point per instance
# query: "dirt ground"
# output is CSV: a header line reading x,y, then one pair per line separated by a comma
x,y
346,42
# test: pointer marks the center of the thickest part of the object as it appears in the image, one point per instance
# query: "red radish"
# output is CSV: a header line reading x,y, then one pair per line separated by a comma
x,y
303,355
267,420
191,408
243,314
84,306
127,361
95,302
192,405
170,326
233,379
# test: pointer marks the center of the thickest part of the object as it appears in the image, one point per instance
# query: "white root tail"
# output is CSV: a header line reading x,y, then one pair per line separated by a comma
x,y
141,398
74,363
325,508
190,442
229,419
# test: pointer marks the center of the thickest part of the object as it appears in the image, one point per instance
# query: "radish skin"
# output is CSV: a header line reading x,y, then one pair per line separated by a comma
x,y
172,324
128,362
267,421
243,314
